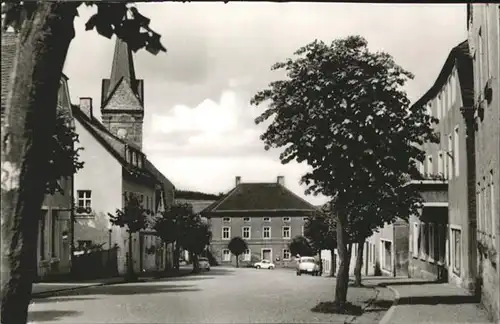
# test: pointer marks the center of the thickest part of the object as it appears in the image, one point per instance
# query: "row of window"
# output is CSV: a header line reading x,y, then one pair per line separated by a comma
x,y
441,105
84,199
246,232
265,219
448,161
134,157
437,243
265,253
486,210
146,201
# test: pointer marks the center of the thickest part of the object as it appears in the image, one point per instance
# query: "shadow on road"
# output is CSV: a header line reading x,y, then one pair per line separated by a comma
x,y
332,308
127,289
49,315
437,300
59,300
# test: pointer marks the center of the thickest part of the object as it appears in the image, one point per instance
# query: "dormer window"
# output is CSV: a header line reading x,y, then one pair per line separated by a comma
x,y
134,158
140,160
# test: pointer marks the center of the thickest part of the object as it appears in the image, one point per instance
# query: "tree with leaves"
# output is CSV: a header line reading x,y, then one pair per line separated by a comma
x,y
320,231
237,246
343,111
45,30
195,236
185,229
300,246
133,218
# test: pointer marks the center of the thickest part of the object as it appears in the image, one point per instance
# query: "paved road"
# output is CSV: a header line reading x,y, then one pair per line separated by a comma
x,y
223,295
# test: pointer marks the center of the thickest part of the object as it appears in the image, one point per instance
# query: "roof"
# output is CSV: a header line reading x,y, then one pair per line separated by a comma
x,y
117,147
122,71
259,197
459,57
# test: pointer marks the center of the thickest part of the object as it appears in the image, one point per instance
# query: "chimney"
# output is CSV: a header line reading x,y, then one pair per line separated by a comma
x,y
281,180
86,106
237,181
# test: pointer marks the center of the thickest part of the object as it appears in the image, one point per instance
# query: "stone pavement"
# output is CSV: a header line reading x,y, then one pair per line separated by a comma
x,y
420,301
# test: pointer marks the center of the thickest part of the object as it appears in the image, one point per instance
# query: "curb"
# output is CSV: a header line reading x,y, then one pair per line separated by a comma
x,y
368,304
388,315
51,293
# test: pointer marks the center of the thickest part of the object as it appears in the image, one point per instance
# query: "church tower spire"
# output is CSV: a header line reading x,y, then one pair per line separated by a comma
x,y
122,97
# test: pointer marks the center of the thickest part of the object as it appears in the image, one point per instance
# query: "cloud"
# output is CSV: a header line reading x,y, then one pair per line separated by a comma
x,y
208,117
198,123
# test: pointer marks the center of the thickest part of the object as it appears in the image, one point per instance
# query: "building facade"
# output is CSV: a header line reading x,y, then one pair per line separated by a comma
x,y
266,215
115,167
55,226
441,236
386,251
484,41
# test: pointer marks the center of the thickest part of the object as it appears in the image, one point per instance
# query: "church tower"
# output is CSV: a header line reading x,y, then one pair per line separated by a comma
x,y
122,97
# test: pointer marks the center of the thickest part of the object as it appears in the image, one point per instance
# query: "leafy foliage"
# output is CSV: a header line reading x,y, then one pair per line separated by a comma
x,y
132,216
188,194
180,224
342,110
300,246
237,246
320,230
112,18
64,161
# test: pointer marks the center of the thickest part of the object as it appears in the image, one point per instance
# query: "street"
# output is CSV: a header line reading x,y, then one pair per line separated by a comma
x,y
223,295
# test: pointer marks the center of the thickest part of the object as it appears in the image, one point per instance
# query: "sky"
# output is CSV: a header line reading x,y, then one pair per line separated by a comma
x,y
199,125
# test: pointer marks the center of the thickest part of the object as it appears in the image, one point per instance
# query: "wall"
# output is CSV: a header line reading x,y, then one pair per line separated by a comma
x,y
55,257
428,260
138,250
256,243
487,66
102,174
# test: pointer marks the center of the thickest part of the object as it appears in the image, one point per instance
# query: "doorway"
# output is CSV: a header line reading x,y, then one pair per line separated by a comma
x,y
267,254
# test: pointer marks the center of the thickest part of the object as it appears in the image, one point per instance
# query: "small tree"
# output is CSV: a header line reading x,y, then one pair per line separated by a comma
x,y
237,246
300,246
195,237
167,229
320,230
342,110
133,218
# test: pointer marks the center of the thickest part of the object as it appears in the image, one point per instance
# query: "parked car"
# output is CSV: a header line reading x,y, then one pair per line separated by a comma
x,y
204,264
264,264
307,265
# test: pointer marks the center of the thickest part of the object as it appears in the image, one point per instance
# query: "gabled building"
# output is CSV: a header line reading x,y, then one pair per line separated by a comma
x,y
483,24
266,215
116,166
442,237
55,227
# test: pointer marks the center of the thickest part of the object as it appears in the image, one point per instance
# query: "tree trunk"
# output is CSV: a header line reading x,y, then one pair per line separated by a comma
x,y
194,260
237,261
359,263
130,263
26,133
334,263
176,255
344,255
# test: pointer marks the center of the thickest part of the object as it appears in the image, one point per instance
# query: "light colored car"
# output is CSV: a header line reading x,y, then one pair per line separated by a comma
x,y
204,264
307,265
264,264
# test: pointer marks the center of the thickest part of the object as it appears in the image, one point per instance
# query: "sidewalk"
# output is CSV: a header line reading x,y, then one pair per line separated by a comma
x,y
420,301
46,289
